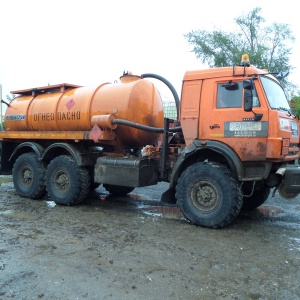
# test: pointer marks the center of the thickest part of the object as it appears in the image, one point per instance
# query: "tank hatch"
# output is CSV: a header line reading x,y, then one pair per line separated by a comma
x,y
46,89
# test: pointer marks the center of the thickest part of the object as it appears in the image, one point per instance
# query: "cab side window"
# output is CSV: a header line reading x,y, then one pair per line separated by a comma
x,y
256,102
230,95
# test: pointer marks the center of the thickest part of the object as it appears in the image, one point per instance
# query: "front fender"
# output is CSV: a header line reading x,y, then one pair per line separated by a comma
x,y
200,148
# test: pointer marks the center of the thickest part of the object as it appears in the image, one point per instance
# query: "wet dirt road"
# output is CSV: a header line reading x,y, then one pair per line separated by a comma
x,y
130,248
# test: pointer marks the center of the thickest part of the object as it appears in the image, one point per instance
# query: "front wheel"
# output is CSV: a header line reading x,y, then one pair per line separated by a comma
x,y
208,195
66,182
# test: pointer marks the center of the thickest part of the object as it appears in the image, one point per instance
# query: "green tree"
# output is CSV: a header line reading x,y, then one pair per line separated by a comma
x,y
295,104
269,47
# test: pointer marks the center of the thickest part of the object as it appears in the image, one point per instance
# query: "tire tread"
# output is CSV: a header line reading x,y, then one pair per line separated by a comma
x,y
193,171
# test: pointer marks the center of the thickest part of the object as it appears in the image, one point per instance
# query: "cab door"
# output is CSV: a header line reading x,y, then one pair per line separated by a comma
x,y
189,110
225,120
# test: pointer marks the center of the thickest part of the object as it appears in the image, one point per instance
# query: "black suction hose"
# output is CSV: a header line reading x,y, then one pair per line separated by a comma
x,y
169,85
149,128
144,127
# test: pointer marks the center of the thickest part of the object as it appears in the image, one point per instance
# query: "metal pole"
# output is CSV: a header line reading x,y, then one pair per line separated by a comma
x,y
165,150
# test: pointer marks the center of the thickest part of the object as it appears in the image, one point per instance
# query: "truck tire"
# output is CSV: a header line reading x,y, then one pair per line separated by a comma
x,y
208,195
66,182
258,198
29,176
118,190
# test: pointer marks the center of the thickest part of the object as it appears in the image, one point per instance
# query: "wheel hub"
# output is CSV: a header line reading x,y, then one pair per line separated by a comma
x,y
61,181
205,196
27,176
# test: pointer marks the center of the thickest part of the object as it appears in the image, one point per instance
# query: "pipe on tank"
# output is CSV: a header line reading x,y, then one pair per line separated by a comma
x,y
169,85
104,121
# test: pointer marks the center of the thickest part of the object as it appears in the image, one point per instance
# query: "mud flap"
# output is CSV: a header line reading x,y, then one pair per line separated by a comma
x,y
168,196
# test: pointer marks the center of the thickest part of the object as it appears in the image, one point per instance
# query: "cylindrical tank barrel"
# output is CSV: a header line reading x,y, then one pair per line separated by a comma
x,y
133,99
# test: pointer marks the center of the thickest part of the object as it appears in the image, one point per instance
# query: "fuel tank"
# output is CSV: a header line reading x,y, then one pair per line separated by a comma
x,y
67,107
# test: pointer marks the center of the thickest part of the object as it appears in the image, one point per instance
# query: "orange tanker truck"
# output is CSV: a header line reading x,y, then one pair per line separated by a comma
x,y
235,139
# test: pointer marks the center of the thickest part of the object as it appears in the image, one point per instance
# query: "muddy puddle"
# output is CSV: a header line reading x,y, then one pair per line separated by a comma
x,y
149,204
153,207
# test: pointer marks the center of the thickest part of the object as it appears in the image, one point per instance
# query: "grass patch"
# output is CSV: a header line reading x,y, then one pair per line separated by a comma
x,y
5,180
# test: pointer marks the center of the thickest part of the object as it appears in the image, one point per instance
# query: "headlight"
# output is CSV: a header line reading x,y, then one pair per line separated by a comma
x,y
294,128
288,125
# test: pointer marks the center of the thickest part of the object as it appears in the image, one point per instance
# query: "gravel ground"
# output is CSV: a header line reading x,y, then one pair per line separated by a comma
x,y
134,248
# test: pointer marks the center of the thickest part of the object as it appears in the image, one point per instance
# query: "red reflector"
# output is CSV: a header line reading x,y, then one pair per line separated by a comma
x,y
285,142
285,151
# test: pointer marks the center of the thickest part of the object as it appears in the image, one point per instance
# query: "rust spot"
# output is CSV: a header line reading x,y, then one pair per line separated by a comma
x,y
253,152
262,147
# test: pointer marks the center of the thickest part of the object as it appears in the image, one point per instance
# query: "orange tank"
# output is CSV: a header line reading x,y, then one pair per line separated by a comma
x,y
68,107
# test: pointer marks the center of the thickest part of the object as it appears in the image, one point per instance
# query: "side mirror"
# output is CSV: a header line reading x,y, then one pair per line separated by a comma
x,y
248,86
248,100
282,75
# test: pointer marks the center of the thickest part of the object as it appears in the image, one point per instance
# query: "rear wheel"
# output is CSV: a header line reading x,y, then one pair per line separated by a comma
x,y
29,176
208,195
66,182
118,190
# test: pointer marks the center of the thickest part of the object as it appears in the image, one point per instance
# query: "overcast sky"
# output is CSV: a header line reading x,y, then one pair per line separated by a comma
x,y
90,42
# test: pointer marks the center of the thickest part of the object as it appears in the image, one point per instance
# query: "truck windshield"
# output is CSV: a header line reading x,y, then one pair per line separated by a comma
x,y
275,94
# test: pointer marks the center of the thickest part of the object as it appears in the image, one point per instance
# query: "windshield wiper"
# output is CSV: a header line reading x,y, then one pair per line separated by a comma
x,y
289,111
283,108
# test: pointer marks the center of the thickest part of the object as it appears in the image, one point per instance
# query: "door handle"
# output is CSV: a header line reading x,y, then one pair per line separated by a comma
x,y
214,126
